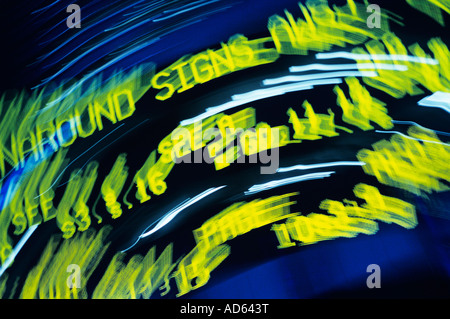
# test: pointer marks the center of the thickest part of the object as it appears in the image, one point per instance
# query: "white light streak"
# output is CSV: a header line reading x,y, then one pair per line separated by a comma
x,y
168,217
376,57
411,138
286,181
320,165
354,66
16,249
245,98
317,76
417,124
174,212
438,99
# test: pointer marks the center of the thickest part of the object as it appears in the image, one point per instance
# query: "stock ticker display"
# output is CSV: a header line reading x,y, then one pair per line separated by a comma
x,y
225,149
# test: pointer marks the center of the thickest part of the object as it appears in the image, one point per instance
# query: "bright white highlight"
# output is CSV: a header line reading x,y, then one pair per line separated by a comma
x,y
18,247
241,99
309,77
320,165
376,57
286,181
411,138
167,218
438,99
351,66
174,212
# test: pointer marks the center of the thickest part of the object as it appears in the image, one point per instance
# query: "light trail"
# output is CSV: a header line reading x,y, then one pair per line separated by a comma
x,y
245,98
437,99
417,124
317,76
286,181
355,66
168,217
16,249
376,57
409,137
320,165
